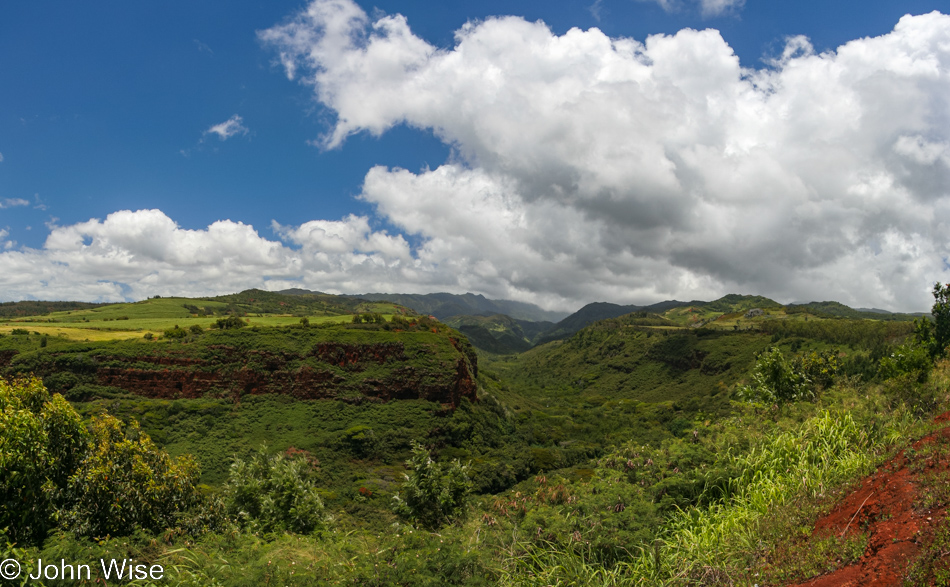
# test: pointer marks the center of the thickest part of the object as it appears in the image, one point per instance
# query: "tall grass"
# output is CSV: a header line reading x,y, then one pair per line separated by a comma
x,y
826,450
715,544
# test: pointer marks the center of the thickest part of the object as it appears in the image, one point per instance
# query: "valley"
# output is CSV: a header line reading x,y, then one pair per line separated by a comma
x,y
582,443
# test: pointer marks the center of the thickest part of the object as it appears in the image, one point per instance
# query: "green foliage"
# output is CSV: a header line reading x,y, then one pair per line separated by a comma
x,y
196,329
42,440
369,318
864,334
941,313
40,308
434,494
126,482
934,335
776,380
818,367
229,323
908,390
838,310
910,359
19,332
176,332
270,493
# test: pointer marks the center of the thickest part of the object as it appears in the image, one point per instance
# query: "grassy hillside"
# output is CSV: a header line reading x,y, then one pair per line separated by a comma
x,y
132,320
634,377
498,333
836,309
39,308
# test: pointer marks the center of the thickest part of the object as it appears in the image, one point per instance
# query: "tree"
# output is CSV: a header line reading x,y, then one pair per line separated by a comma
x,y
42,441
935,335
434,493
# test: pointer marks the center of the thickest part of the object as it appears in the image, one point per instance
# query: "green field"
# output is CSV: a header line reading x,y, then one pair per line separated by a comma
x,y
125,321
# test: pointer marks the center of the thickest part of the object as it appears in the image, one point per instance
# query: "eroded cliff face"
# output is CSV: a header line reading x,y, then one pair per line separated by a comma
x,y
439,370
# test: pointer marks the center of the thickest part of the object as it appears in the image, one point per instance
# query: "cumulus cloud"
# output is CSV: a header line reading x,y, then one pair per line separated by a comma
x,y
229,128
136,254
584,168
587,167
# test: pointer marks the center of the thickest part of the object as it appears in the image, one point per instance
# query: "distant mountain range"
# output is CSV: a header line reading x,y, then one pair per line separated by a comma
x,y
507,326
489,327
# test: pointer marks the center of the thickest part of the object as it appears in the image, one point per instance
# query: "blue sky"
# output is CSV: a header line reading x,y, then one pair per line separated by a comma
x,y
113,107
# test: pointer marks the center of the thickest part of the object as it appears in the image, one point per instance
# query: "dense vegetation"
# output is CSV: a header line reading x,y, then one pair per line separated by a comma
x,y
39,308
637,451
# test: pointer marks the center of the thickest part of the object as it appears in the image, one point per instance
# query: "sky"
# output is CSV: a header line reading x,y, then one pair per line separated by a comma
x,y
557,152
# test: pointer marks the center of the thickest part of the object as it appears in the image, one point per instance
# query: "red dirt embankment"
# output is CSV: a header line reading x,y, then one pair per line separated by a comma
x,y
888,507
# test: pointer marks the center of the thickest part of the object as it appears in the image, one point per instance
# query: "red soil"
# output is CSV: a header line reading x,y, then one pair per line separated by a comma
x,y
884,505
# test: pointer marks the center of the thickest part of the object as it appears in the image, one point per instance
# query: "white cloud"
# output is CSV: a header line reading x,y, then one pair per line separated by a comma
x,y
718,7
1,157
666,5
583,168
596,9
586,167
708,8
13,203
136,254
229,128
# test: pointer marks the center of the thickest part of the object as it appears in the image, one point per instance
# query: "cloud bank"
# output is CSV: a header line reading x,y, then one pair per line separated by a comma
x,y
584,168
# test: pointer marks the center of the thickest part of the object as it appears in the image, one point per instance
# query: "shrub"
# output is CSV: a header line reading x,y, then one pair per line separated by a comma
x,y
229,322
434,493
818,367
125,482
775,381
176,332
273,493
908,360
